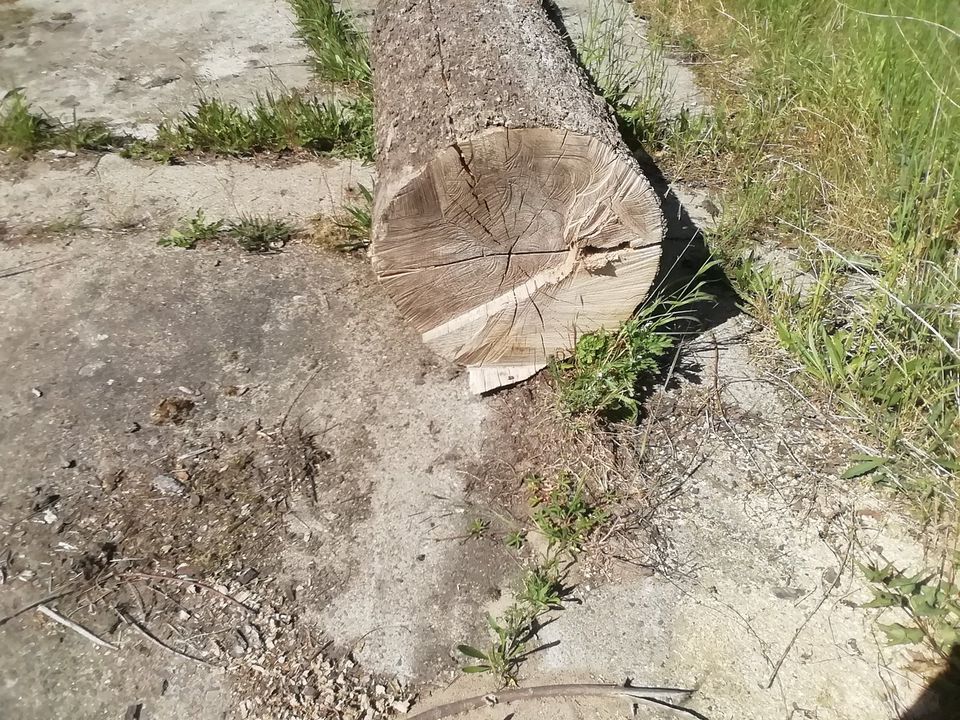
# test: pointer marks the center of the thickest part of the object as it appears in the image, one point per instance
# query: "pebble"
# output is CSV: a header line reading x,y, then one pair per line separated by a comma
x,y
166,485
132,427
67,463
195,500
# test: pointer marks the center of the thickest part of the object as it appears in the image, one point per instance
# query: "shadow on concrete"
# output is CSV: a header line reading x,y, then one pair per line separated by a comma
x,y
941,699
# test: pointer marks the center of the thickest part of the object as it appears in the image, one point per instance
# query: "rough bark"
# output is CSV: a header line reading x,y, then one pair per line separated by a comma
x,y
509,216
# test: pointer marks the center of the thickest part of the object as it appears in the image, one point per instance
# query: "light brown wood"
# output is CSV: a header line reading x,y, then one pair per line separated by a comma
x,y
506,223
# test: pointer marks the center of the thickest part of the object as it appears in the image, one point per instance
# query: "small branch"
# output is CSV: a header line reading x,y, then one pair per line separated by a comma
x,y
191,581
154,639
808,618
652,694
194,453
79,630
36,603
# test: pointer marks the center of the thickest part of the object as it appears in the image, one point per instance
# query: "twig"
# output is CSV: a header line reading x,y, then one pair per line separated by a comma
x,y
543,691
194,453
154,639
808,618
37,603
78,629
191,581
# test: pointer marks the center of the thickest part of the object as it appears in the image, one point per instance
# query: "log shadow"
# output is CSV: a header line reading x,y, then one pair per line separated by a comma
x,y
685,248
940,700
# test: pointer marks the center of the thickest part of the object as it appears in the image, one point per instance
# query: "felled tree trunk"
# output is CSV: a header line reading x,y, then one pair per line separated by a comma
x,y
509,215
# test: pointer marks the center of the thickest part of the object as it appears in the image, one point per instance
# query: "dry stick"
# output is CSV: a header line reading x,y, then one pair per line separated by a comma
x,y
36,603
154,639
191,581
544,691
78,629
808,618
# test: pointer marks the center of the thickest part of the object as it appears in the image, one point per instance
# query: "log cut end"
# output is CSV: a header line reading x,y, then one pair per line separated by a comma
x,y
503,249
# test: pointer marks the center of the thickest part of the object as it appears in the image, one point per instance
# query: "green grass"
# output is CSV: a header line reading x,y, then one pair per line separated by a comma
x,y
563,512
607,368
338,50
837,133
260,234
275,123
357,221
24,132
191,231
253,234
566,515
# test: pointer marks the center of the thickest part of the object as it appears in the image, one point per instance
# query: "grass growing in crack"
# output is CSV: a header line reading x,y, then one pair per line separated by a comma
x,y
356,222
338,49
515,539
506,651
23,132
251,233
275,123
603,373
563,512
478,528
191,231
542,589
259,234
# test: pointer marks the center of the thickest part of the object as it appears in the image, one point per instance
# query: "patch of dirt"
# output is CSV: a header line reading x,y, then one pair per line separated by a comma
x,y
179,553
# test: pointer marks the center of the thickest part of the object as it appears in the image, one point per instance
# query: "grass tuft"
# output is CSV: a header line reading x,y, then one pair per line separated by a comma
x,y
339,51
251,233
260,235
24,132
606,369
275,123
191,231
357,221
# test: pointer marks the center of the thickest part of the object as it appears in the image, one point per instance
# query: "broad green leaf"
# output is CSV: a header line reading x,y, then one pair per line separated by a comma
x,y
470,651
476,668
882,600
864,467
898,634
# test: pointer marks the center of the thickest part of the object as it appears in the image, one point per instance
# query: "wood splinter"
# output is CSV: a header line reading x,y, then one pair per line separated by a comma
x,y
509,216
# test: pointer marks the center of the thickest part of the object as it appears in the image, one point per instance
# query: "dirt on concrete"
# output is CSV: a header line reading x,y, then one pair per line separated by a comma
x,y
133,64
251,478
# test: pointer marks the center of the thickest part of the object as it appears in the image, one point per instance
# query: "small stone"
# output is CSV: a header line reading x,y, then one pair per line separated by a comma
x,y
787,593
60,153
247,575
310,692
67,463
62,16
166,485
37,392
132,427
829,577
110,478
195,500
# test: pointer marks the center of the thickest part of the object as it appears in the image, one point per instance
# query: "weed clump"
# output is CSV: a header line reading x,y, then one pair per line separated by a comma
x,y
564,513
338,49
24,132
275,123
251,233
602,375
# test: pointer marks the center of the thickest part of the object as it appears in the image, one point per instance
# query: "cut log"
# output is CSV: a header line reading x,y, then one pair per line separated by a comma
x,y
509,216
